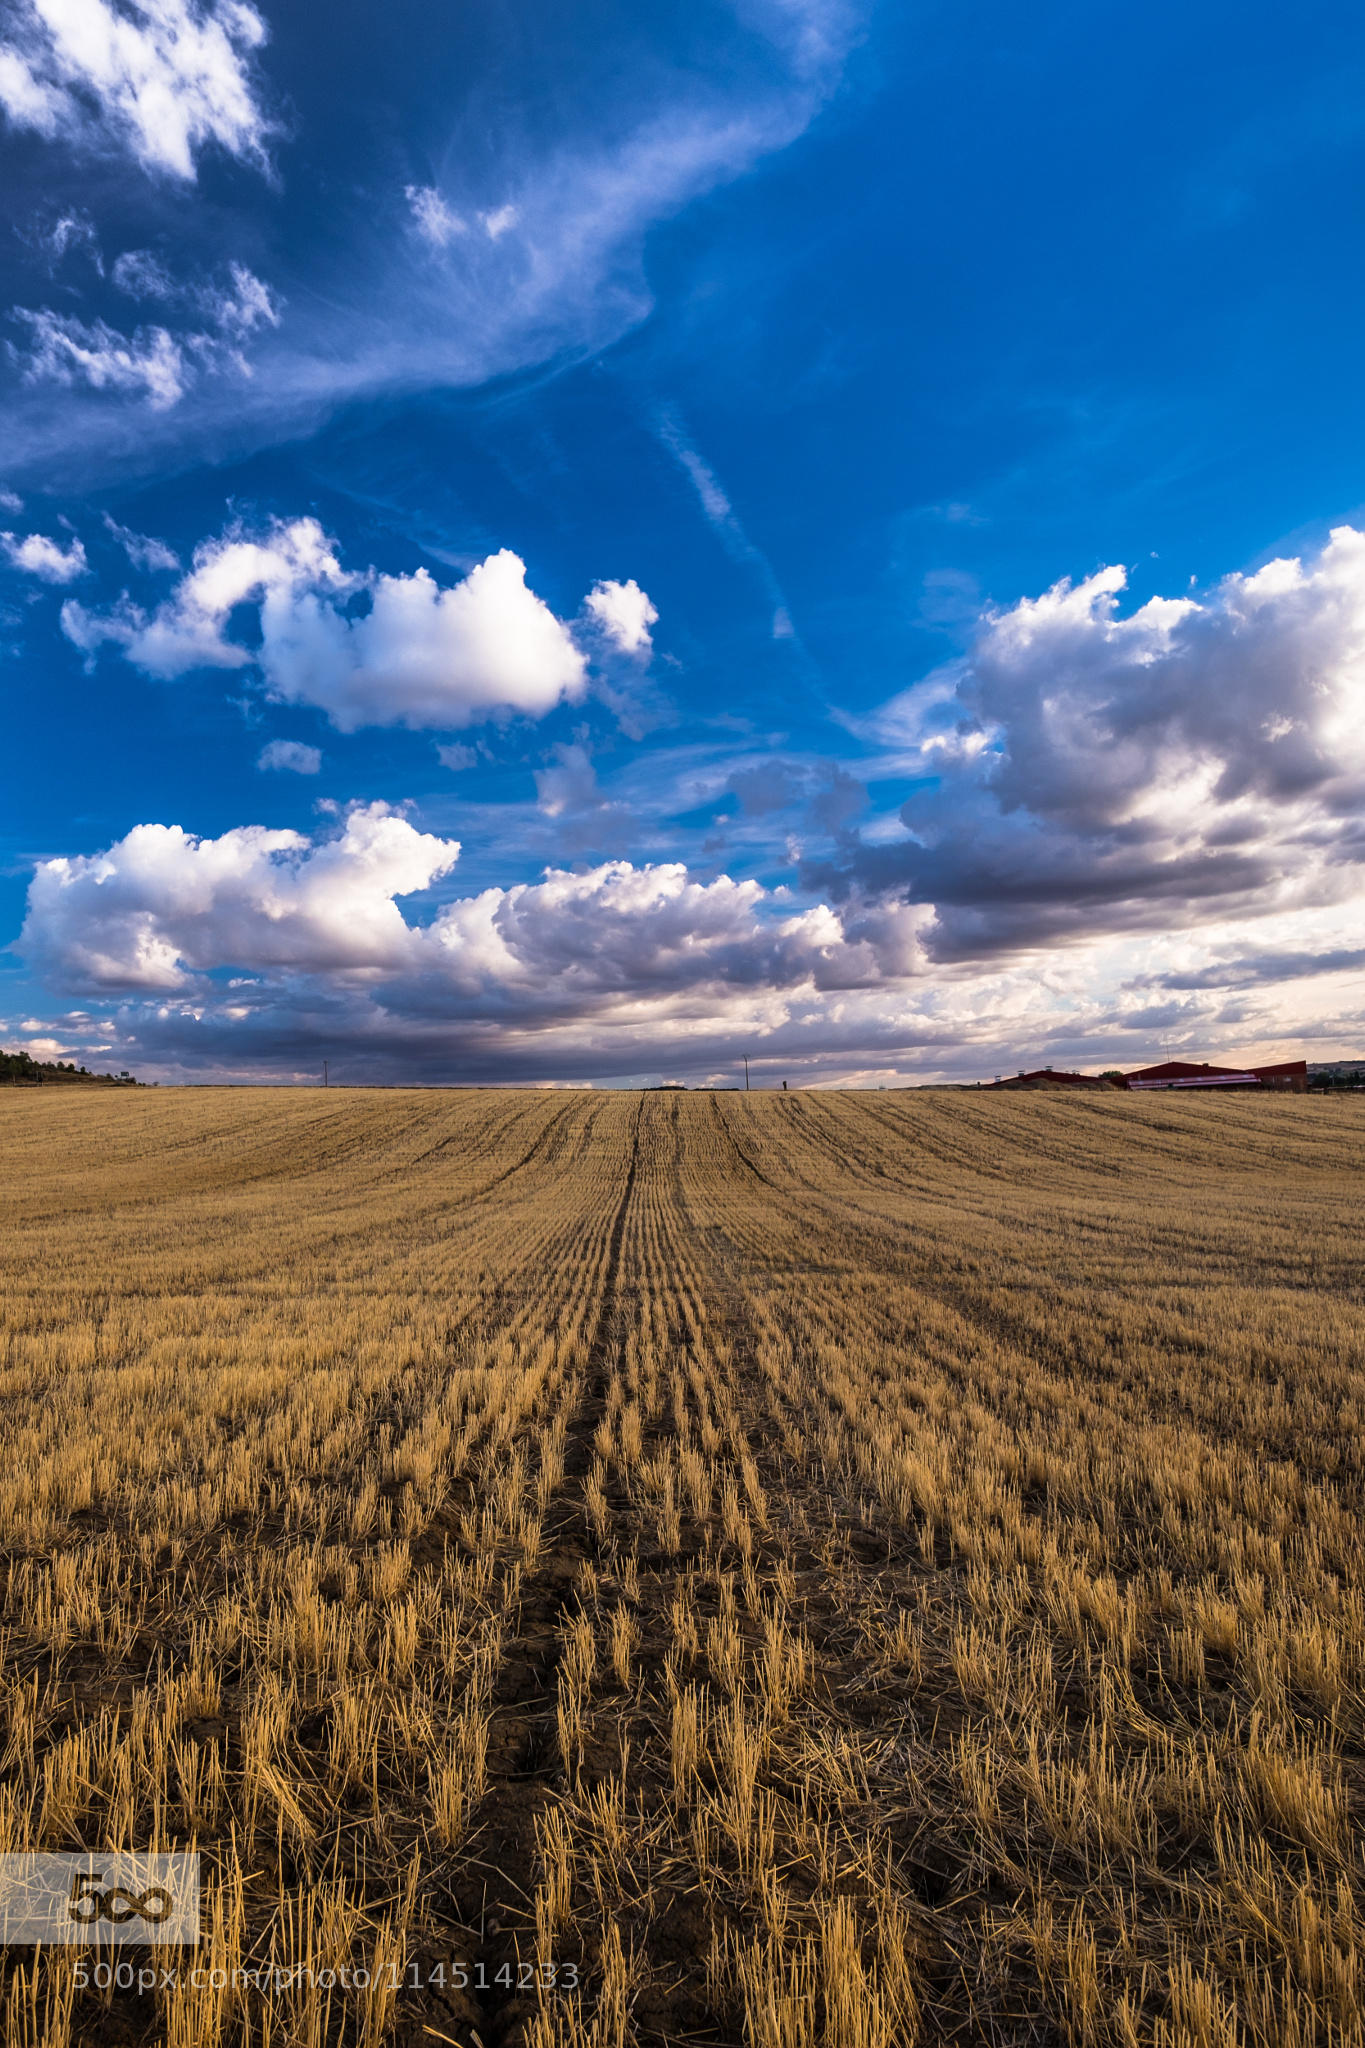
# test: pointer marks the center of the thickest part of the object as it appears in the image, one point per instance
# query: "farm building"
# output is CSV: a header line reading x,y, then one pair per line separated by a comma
x,y
1291,1074
1045,1077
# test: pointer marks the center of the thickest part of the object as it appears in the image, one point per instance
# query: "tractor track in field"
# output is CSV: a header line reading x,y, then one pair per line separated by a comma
x,y
524,1765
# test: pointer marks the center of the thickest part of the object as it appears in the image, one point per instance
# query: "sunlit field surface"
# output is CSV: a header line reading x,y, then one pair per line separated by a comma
x,y
819,1571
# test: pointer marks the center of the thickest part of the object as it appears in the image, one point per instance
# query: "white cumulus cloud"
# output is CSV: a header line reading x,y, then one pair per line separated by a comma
x,y
367,649
423,655
259,951
627,932
161,909
160,78
186,632
1127,833
294,756
46,559
162,906
624,614
1082,771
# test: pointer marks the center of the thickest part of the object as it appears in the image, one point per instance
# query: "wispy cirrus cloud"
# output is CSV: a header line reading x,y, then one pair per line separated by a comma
x,y
143,550
146,364
229,308
721,516
526,252
52,237
152,362
432,218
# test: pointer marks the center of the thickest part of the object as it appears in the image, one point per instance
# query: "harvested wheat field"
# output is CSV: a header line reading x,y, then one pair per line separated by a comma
x,y
829,1569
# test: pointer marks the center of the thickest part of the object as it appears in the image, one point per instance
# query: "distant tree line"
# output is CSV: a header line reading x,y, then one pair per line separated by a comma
x,y
18,1068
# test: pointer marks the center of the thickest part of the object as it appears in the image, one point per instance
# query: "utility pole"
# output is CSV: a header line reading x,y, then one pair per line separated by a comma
x,y
324,1074
745,1058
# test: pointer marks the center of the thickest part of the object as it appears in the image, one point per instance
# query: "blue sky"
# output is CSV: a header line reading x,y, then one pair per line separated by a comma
x,y
572,543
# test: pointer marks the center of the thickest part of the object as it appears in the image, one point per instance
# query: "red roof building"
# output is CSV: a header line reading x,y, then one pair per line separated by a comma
x,y
1045,1077
1290,1074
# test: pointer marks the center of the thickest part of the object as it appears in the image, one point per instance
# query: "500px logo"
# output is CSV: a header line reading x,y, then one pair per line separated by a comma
x,y
117,1905
106,1897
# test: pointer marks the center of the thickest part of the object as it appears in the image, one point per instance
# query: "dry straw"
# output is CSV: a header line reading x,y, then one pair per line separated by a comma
x,y
833,1573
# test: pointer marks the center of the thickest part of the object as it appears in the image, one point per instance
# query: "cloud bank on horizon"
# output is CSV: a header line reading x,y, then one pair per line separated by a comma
x,y
510,619
1090,783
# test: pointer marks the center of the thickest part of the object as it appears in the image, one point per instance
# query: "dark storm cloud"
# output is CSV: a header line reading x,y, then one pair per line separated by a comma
x,y
1081,773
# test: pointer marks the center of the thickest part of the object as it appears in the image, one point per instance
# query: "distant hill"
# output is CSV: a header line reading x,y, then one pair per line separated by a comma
x,y
20,1069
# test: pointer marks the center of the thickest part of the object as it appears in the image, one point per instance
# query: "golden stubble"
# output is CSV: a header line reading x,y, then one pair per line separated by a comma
x,y
860,1569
